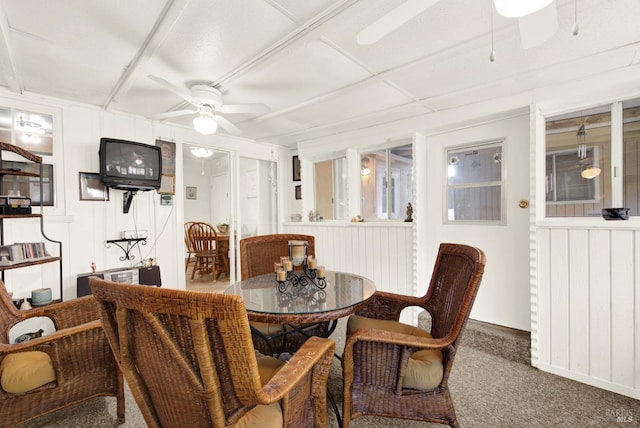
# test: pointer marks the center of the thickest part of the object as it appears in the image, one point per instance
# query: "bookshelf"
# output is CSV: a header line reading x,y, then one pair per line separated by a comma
x,y
12,208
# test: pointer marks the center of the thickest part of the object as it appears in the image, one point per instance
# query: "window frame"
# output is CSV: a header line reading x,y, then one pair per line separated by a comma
x,y
495,143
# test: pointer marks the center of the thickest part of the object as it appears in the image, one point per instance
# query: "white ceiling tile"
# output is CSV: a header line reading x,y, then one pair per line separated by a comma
x,y
301,74
351,104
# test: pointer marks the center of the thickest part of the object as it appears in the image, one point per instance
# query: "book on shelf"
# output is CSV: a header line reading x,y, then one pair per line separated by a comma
x,y
22,252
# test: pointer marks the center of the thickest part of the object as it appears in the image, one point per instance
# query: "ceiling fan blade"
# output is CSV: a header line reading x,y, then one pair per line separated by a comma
x,y
175,113
257,108
182,93
227,125
392,20
538,27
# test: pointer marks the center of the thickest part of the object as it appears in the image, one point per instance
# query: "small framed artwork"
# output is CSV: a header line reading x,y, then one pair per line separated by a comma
x,y
296,168
167,185
298,192
91,188
192,192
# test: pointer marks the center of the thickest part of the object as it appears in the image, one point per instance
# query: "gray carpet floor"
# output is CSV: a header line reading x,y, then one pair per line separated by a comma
x,y
492,385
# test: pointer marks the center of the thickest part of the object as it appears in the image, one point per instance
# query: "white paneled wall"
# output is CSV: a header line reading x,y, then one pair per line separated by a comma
x,y
587,304
381,251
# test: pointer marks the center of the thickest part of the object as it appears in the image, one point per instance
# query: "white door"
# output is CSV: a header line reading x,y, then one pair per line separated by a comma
x,y
504,295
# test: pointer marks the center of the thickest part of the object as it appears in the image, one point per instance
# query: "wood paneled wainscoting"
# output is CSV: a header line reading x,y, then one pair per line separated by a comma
x,y
381,251
586,302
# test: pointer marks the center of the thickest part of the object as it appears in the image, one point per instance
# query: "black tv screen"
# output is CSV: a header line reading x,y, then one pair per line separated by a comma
x,y
129,165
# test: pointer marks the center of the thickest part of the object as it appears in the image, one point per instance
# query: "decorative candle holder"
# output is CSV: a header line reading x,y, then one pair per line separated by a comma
x,y
298,252
286,276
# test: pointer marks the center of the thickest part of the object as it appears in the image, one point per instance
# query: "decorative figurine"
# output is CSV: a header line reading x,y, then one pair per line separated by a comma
x,y
409,213
93,267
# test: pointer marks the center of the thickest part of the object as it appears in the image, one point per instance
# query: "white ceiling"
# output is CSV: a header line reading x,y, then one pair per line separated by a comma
x,y
299,57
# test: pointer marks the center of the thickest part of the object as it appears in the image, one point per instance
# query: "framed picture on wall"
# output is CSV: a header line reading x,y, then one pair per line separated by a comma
x,y
192,192
91,188
168,150
298,191
167,185
296,168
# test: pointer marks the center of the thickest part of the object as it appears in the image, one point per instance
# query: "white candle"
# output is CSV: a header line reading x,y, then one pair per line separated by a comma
x,y
282,275
288,265
277,267
312,263
320,271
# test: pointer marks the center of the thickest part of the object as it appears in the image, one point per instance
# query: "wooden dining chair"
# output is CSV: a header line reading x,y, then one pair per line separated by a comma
x,y
190,250
189,361
397,370
209,258
257,256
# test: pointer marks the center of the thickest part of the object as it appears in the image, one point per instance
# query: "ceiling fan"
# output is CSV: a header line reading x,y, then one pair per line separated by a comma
x,y
537,19
208,106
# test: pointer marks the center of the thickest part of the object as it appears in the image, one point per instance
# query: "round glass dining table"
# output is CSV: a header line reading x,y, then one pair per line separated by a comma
x,y
302,304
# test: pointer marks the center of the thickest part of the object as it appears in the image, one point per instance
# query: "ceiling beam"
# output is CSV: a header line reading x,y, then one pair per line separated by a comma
x,y
169,16
6,55
303,32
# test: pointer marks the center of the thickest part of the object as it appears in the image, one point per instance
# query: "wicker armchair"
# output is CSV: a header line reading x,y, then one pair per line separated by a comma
x,y
257,256
189,361
396,370
78,351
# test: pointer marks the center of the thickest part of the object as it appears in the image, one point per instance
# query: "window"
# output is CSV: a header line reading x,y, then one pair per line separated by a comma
x,y
474,183
564,180
387,182
578,163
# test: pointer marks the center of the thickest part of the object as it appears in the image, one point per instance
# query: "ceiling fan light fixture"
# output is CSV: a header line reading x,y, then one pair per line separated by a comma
x,y
518,9
201,152
205,123
29,126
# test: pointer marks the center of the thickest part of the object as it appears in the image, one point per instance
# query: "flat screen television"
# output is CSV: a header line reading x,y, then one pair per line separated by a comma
x,y
129,165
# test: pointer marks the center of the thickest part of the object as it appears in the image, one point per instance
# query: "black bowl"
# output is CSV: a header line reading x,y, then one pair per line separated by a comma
x,y
615,213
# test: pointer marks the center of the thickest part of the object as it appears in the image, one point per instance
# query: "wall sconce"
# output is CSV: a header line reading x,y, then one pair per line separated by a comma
x,y
365,170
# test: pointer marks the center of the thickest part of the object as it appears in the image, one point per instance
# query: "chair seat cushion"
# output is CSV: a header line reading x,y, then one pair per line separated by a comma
x,y
269,416
267,367
23,371
268,329
424,369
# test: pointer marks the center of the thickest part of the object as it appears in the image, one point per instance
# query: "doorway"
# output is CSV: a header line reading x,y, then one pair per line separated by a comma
x,y
207,199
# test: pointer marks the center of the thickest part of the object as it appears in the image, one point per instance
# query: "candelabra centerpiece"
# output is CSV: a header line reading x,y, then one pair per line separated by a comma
x,y
310,273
